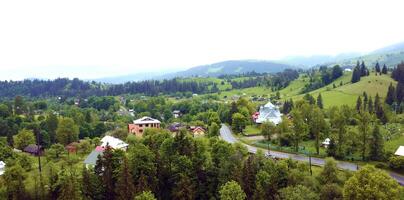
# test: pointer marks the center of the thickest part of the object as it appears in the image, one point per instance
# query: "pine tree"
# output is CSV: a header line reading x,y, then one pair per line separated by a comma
x,y
384,70
124,186
370,105
377,67
320,101
250,169
376,145
365,100
391,95
107,173
359,104
356,74
364,71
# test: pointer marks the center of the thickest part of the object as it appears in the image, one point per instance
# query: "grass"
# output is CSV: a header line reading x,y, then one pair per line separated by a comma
x,y
252,130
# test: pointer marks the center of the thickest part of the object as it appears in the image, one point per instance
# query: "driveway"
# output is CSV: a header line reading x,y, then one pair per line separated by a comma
x,y
227,135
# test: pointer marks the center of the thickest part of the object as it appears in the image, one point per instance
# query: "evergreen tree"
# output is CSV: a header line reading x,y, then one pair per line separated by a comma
x,y
363,126
91,183
248,176
320,101
391,95
356,75
107,173
384,70
364,71
365,100
376,144
124,186
370,105
310,99
358,104
377,67
69,187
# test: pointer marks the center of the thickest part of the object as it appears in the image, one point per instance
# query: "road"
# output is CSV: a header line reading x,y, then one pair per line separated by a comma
x,y
226,135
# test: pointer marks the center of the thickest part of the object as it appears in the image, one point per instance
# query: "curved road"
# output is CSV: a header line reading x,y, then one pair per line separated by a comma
x,y
226,134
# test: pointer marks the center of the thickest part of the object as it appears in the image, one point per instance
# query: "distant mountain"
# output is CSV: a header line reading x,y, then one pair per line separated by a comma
x,y
129,78
231,67
390,49
315,60
390,55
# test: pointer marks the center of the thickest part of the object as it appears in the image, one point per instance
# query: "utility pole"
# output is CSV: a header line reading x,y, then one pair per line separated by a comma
x,y
311,172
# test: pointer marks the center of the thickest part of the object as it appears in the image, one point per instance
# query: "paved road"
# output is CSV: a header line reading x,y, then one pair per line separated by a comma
x,y
226,134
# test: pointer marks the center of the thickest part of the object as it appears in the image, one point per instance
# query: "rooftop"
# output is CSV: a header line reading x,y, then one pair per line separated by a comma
x,y
146,120
400,151
113,142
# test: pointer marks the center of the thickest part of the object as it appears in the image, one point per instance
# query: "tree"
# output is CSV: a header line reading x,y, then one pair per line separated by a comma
x,y
19,105
363,69
377,67
231,191
298,192
371,183
299,128
384,69
310,99
238,122
4,111
146,195
67,131
124,186
317,126
24,138
376,144
213,130
268,129
91,183
52,124
331,191
14,176
320,101
336,72
356,74
359,104
391,95
329,175
69,186
370,105
55,151
364,120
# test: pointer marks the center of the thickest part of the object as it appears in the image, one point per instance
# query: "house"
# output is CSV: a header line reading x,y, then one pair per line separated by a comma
x,y
269,112
2,167
34,149
72,147
198,131
255,116
175,127
177,113
141,124
400,151
92,158
326,142
113,142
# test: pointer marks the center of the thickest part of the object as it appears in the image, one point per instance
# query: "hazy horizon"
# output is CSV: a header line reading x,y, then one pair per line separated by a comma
x,y
95,39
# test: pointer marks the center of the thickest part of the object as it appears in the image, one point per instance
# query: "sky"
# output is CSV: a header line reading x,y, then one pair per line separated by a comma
x,y
96,38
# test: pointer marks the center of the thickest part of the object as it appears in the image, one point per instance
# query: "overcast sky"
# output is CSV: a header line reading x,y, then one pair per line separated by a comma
x,y
98,38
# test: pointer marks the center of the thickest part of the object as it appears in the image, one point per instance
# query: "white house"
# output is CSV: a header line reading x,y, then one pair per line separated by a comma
x,y
326,142
114,143
2,167
400,151
269,112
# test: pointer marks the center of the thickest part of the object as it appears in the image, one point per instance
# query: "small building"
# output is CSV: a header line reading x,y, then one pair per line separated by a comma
x,y
114,143
255,116
326,142
177,113
34,149
141,124
198,131
2,167
72,147
400,151
269,112
175,127
347,70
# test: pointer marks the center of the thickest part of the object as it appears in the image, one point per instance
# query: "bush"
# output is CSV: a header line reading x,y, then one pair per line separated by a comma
x,y
396,162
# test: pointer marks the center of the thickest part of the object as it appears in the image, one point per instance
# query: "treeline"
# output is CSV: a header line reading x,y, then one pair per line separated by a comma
x,y
361,70
322,77
395,95
275,81
67,88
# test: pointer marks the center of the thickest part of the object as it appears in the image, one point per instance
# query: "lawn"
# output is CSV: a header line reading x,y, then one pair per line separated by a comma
x,y
252,130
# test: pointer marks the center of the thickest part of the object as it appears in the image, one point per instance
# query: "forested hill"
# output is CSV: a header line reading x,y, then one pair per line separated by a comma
x,y
78,88
232,67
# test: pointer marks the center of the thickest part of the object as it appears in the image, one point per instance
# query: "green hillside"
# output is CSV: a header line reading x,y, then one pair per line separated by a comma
x,y
347,93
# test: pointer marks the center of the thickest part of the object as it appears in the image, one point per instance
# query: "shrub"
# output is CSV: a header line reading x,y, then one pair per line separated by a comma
x,y
396,162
